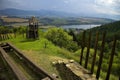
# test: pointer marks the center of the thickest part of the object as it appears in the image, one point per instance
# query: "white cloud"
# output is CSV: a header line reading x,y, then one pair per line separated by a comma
x,y
66,1
108,6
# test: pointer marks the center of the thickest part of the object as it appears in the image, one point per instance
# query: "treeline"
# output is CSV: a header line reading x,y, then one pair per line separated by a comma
x,y
10,32
112,29
59,21
71,21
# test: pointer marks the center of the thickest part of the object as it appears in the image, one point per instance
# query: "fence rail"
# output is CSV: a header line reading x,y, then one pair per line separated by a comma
x,y
95,53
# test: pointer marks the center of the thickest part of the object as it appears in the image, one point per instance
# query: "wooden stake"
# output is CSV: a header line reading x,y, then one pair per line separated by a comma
x,y
111,58
95,51
101,56
88,50
83,46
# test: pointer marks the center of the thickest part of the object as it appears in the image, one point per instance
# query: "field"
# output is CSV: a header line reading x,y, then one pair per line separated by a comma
x,y
11,20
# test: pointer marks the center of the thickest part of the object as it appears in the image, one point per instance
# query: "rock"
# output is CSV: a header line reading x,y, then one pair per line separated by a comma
x,y
59,61
67,65
55,76
46,78
53,63
71,61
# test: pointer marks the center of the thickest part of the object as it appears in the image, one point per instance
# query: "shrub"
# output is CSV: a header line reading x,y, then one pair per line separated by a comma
x,y
61,38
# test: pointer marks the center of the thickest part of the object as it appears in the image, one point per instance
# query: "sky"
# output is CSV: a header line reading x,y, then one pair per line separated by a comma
x,y
107,7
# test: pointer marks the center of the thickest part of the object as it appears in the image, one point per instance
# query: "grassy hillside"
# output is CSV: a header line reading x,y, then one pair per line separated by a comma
x,y
112,29
36,51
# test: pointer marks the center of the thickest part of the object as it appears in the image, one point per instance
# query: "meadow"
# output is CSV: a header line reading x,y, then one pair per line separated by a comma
x,y
43,52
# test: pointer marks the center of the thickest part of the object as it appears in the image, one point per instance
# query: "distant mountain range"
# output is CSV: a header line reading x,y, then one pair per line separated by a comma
x,y
54,17
47,13
43,13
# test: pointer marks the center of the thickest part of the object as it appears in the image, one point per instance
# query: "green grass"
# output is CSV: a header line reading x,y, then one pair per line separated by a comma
x,y
39,46
36,51
105,61
43,57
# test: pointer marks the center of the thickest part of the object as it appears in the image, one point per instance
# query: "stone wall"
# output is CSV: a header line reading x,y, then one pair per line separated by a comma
x,y
71,70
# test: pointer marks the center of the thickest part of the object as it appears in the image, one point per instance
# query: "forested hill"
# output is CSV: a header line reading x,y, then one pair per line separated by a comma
x,y
111,29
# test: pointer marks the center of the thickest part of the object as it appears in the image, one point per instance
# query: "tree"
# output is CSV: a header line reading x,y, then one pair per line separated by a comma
x,y
4,32
22,30
15,31
72,46
60,38
71,32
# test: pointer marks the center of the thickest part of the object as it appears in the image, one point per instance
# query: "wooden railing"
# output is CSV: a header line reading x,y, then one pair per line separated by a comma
x,y
95,53
5,36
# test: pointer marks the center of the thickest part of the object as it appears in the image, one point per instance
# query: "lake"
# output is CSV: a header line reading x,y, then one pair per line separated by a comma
x,y
88,26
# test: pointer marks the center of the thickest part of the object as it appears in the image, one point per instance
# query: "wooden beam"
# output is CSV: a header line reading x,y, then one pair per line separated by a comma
x,y
111,58
83,46
13,66
88,50
101,56
95,52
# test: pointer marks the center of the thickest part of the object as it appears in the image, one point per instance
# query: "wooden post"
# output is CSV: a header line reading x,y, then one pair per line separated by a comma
x,y
111,58
0,37
101,56
95,51
88,50
7,36
83,46
3,36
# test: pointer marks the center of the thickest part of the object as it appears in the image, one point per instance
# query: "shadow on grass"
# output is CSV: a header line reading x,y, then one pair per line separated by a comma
x,y
28,40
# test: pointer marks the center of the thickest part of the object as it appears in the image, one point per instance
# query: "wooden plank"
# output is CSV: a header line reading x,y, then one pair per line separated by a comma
x,y
95,51
111,58
88,50
13,66
83,46
101,56
39,69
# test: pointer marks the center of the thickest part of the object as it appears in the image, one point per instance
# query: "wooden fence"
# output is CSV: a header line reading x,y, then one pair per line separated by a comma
x,y
5,36
95,53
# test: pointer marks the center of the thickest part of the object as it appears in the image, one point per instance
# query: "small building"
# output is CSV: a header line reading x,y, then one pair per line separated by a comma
x,y
32,31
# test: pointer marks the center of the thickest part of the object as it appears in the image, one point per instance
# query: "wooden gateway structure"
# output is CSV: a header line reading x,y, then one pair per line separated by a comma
x,y
32,31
